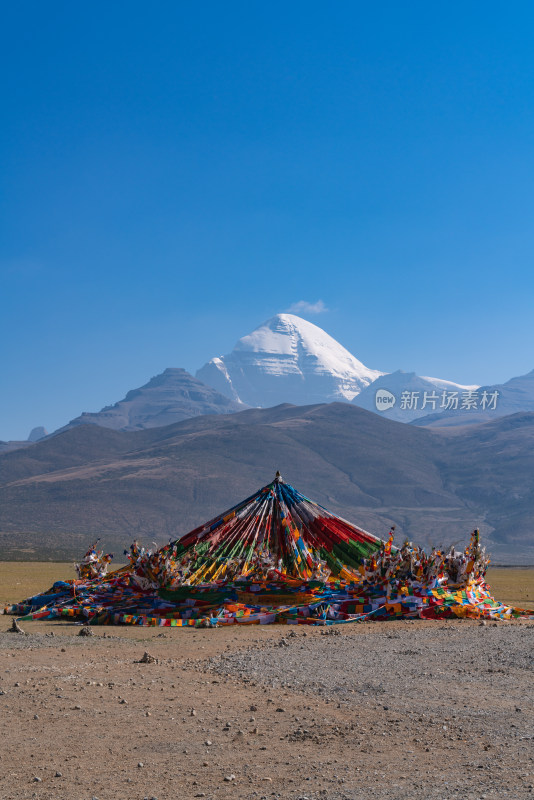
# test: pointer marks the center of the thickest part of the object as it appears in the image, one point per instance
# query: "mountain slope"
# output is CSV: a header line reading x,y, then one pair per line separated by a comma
x,y
514,396
412,393
287,360
170,397
161,482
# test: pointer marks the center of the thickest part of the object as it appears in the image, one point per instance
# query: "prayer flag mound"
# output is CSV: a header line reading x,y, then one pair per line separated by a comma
x,y
275,557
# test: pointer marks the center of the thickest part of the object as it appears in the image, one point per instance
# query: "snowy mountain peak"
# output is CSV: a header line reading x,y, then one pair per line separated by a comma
x,y
287,359
287,334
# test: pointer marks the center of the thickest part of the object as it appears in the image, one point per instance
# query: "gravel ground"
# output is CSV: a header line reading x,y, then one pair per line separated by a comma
x,y
462,692
400,710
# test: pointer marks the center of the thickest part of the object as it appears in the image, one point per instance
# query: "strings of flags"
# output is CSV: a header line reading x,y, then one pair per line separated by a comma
x,y
276,557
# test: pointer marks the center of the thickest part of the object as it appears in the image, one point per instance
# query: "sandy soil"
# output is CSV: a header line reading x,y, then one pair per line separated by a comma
x,y
377,710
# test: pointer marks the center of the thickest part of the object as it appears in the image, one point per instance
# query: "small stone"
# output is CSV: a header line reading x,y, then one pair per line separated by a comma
x,y
229,778
58,775
148,714
63,650
146,659
193,712
208,743
140,764
253,708
36,716
282,710
86,631
37,780
123,702
205,763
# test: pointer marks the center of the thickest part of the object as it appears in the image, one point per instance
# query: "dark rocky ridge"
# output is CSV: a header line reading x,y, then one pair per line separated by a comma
x,y
170,397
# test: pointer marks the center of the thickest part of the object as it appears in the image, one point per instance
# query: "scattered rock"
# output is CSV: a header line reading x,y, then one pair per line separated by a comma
x,y
229,778
15,627
86,631
147,659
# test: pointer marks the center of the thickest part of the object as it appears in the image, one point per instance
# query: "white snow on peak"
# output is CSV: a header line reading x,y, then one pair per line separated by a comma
x,y
288,360
289,335
440,383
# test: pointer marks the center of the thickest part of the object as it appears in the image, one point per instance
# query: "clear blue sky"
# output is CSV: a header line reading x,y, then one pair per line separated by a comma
x,y
175,173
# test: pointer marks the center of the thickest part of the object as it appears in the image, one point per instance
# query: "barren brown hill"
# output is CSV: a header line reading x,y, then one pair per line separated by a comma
x,y
156,484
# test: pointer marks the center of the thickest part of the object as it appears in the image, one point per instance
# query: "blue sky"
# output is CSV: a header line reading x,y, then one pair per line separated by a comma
x,y
174,174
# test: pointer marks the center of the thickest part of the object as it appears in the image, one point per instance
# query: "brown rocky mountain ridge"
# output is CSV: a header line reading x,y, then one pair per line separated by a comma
x,y
156,484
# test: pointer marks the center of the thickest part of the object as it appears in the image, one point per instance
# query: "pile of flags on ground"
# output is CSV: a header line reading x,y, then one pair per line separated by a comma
x,y
276,557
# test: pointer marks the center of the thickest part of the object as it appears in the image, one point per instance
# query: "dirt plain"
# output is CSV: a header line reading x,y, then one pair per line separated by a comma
x,y
392,710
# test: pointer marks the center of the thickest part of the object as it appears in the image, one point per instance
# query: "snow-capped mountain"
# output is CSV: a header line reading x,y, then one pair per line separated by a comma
x,y
405,396
170,397
287,360
512,397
